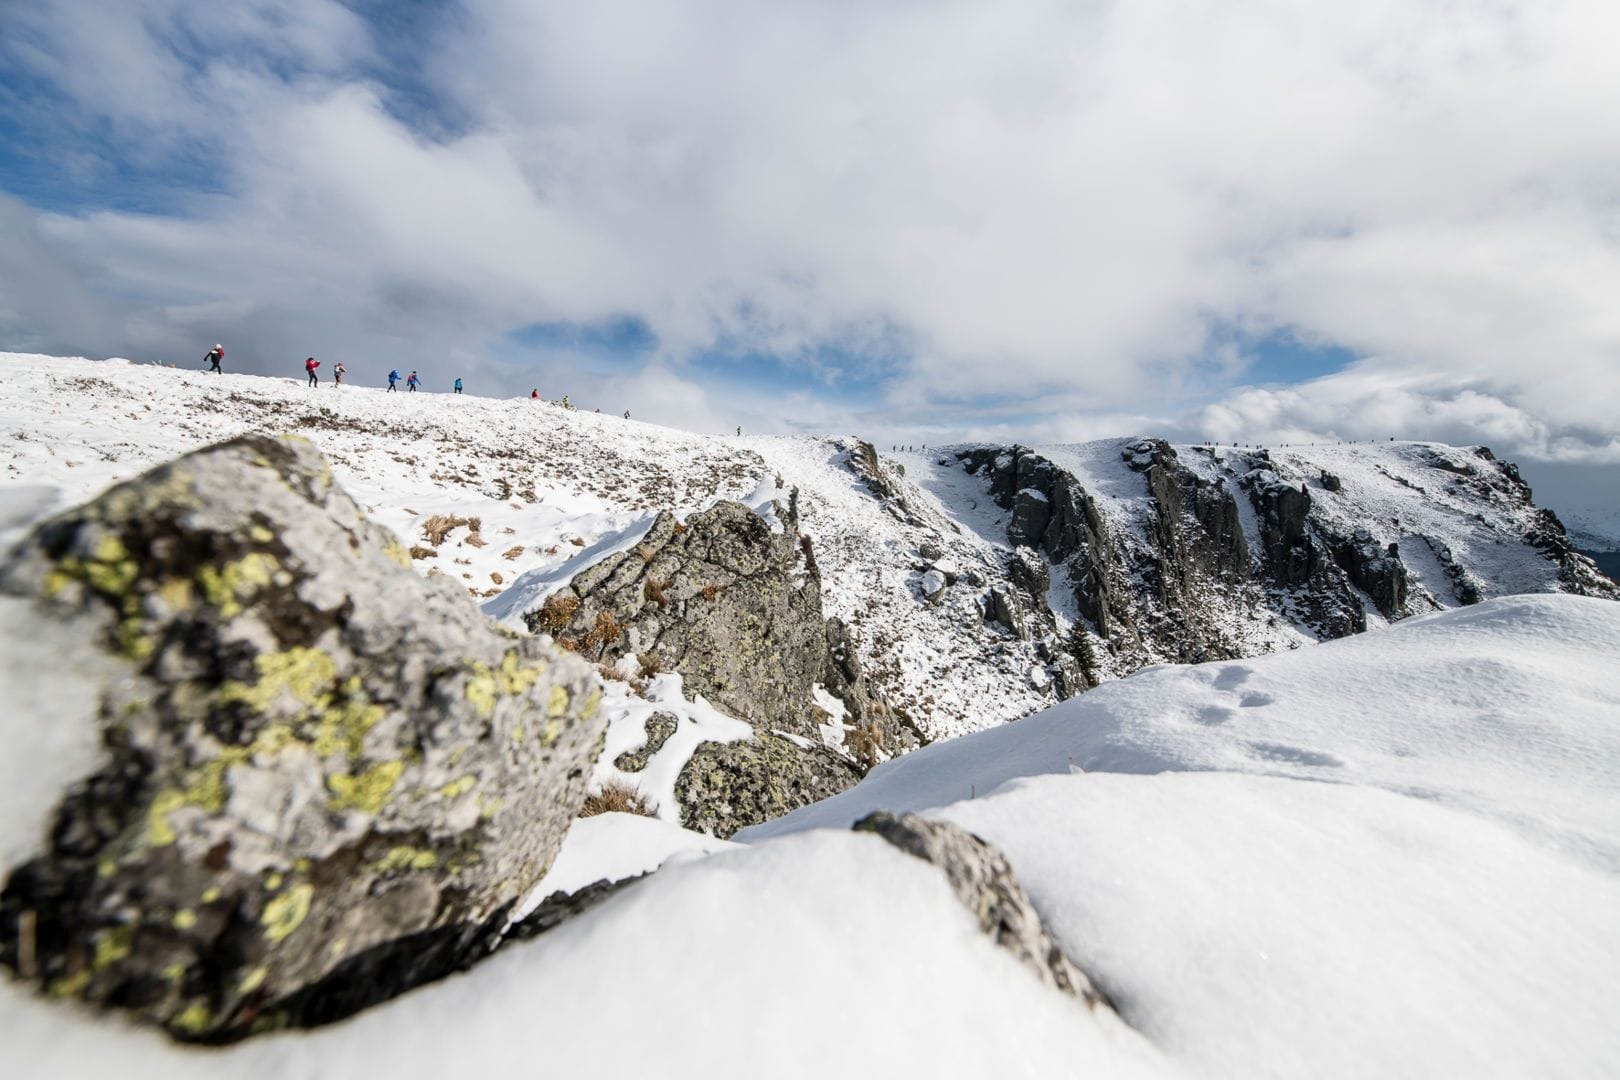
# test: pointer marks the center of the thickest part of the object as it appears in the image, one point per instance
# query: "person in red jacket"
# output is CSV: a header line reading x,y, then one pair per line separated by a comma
x,y
310,365
534,395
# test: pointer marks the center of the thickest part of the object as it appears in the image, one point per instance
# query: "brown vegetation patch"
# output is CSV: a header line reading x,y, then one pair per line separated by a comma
x,y
556,612
617,797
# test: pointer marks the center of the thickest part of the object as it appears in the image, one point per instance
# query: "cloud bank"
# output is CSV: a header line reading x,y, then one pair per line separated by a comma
x,y
1031,220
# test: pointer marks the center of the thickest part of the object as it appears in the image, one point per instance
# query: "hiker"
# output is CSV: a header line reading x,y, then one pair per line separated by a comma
x,y
337,374
627,414
410,383
739,429
534,395
393,377
215,355
458,386
310,365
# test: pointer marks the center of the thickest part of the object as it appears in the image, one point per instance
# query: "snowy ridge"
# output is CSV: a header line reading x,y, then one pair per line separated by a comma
x,y
528,494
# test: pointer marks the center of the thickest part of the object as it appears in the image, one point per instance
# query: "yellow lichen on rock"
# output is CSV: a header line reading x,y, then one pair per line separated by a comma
x,y
227,586
367,791
286,913
305,674
406,858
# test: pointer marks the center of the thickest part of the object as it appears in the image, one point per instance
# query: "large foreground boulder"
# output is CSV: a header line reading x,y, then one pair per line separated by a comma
x,y
317,766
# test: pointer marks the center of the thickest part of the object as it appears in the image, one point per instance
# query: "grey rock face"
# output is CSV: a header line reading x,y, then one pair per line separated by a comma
x,y
1376,570
735,608
984,882
312,754
879,478
729,786
732,606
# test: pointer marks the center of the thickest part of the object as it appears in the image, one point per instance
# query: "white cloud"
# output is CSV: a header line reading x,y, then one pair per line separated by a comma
x,y
1044,199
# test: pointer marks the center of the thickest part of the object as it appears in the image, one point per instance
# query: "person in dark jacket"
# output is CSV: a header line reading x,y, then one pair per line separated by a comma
x,y
215,355
309,366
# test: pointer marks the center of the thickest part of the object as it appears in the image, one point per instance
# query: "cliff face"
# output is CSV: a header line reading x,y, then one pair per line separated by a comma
x,y
1181,555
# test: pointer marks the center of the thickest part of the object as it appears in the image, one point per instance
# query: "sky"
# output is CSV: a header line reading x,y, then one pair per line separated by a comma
x,y
1038,220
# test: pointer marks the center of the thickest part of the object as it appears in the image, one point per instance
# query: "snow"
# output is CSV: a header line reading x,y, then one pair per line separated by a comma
x,y
1394,854
756,962
697,722
611,847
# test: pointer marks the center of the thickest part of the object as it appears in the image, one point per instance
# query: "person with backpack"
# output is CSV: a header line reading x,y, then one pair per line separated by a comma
x,y
458,386
393,377
215,355
337,374
534,395
410,383
310,365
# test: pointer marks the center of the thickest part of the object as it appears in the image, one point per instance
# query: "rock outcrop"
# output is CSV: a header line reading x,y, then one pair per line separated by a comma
x,y
324,777
984,882
732,602
1227,538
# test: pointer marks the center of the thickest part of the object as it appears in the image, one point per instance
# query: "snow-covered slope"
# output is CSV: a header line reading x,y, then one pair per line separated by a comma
x,y
1390,855
1395,854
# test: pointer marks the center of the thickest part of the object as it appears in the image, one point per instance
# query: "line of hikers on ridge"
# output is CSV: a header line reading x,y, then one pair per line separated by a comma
x,y
216,356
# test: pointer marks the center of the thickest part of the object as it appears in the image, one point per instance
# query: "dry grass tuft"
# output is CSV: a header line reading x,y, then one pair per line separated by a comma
x,y
420,552
577,541
556,612
437,527
647,553
476,540
866,742
605,632
711,591
512,552
654,590
650,664
679,528
617,797
495,576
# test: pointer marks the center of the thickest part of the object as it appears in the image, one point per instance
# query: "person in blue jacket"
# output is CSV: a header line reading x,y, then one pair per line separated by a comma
x,y
393,377
410,383
458,386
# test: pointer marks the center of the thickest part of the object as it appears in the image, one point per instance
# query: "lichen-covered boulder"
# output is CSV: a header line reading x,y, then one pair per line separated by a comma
x,y
309,754
725,787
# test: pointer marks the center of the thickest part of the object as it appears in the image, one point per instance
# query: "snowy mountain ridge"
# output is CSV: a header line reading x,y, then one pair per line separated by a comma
x,y
514,498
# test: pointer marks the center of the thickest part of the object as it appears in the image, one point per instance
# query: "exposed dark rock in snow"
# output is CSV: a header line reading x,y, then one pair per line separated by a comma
x,y
729,786
311,753
659,727
984,882
883,480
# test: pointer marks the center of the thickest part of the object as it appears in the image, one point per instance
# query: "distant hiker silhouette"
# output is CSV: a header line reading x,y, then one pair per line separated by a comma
x,y
534,395
215,355
458,386
410,383
337,374
309,366
393,377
